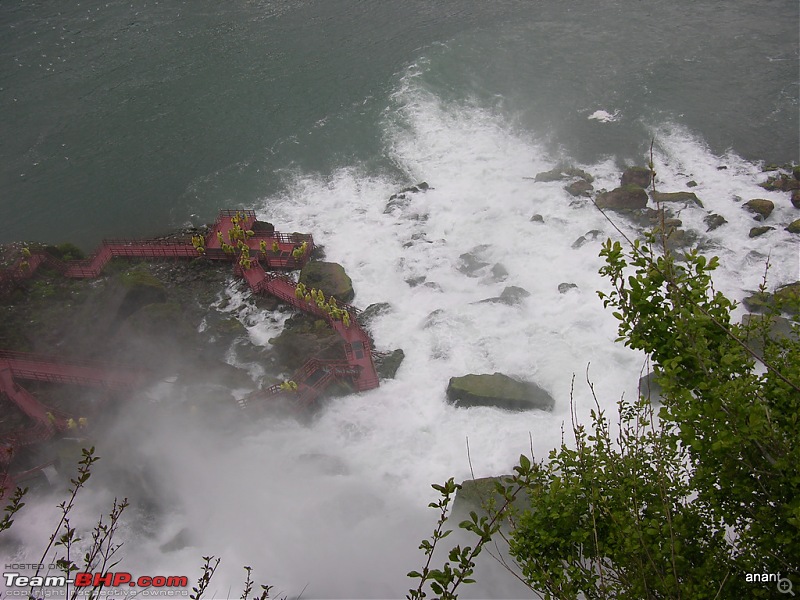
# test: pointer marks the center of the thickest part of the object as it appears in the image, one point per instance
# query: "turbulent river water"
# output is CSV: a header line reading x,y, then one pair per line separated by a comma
x,y
131,118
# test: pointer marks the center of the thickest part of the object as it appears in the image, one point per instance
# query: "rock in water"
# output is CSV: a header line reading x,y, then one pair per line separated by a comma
x,y
760,208
641,176
497,390
677,197
627,197
330,278
387,365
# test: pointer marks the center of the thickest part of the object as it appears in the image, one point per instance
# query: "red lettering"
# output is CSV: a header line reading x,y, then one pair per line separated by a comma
x,y
83,579
121,577
100,579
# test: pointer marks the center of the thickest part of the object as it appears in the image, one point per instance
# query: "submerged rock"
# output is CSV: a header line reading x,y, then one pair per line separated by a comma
x,y
563,288
499,272
713,221
627,197
471,262
499,391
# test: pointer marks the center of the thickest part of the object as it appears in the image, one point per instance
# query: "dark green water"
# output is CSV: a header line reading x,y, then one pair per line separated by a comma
x,y
129,118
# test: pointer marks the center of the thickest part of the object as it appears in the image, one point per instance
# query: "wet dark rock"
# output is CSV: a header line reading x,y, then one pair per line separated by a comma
x,y
512,295
415,281
786,298
499,272
563,288
471,262
713,221
757,231
590,235
796,198
387,364
641,176
774,327
794,226
692,183
373,311
580,188
401,198
497,390
630,196
760,208
563,173
537,219
782,182
687,197
649,388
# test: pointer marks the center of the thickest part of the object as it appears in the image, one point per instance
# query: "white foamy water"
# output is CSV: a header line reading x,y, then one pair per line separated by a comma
x,y
338,505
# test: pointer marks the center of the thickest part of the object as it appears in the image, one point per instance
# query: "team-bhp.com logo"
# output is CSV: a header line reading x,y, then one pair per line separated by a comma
x,y
95,580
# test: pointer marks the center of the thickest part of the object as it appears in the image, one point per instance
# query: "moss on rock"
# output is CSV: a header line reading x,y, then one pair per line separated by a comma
x,y
329,277
497,390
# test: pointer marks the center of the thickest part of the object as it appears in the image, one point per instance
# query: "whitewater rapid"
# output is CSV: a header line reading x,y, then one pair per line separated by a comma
x,y
337,507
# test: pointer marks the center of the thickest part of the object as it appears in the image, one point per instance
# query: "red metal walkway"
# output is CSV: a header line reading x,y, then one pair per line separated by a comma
x,y
273,250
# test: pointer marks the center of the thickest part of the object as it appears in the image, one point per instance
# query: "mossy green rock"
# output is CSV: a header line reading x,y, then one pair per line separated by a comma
x,y
330,278
497,390
760,208
626,197
677,197
794,226
757,231
785,298
641,176
481,496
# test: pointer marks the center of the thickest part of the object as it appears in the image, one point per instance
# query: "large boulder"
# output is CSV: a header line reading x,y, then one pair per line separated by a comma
x,y
328,277
641,176
760,208
387,364
794,226
498,390
627,197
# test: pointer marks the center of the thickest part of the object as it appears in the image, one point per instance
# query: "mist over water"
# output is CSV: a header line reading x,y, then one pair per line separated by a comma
x,y
335,508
